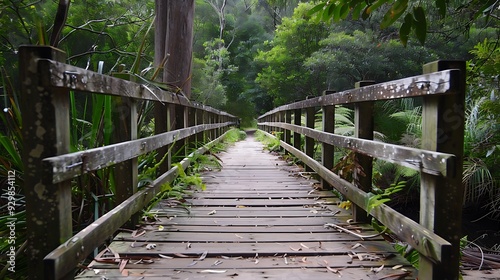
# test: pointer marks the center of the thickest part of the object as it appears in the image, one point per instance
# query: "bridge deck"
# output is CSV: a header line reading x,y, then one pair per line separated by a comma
x,y
256,219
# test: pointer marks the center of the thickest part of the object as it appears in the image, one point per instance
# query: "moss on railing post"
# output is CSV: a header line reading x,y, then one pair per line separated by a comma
x,y
45,133
363,121
441,197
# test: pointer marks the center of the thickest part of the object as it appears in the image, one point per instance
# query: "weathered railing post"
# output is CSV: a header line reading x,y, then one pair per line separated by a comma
x,y
200,117
441,197
180,121
297,120
364,126
191,121
288,120
281,119
309,145
124,117
45,134
327,150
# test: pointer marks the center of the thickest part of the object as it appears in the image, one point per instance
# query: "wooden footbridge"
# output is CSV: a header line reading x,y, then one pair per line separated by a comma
x,y
258,217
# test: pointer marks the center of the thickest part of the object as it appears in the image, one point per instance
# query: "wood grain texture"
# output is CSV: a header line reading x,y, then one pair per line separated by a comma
x,y
257,219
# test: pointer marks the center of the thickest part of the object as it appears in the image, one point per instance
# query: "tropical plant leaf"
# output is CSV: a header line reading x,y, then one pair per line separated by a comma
x,y
404,31
441,7
420,24
396,10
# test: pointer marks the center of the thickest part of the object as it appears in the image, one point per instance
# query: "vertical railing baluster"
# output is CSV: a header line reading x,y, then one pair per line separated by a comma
x,y
200,119
364,126
191,121
309,145
441,197
288,120
125,173
327,151
297,120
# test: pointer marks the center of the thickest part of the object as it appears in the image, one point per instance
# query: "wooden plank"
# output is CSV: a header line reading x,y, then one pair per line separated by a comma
x,y
297,221
225,262
265,195
256,202
241,237
249,229
436,83
68,166
251,274
435,163
129,248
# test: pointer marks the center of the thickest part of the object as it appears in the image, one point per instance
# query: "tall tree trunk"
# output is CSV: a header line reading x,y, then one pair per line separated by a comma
x,y
161,20
179,44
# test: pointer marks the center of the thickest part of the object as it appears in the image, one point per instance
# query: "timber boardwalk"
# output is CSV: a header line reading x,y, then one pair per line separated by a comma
x,y
257,219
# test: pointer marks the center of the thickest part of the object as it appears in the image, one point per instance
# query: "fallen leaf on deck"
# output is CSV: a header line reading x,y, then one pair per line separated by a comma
x,y
301,244
378,269
123,271
296,250
150,246
336,271
239,236
357,245
213,271
216,263
165,257
181,255
161,228
212,212
136,233
203,256
397,266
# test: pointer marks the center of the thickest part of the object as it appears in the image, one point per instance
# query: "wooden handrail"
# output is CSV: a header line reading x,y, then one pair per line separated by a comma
x,y
442,88
45,87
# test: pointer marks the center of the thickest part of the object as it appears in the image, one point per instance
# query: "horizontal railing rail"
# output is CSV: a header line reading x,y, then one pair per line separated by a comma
x,y
46,82
439,160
